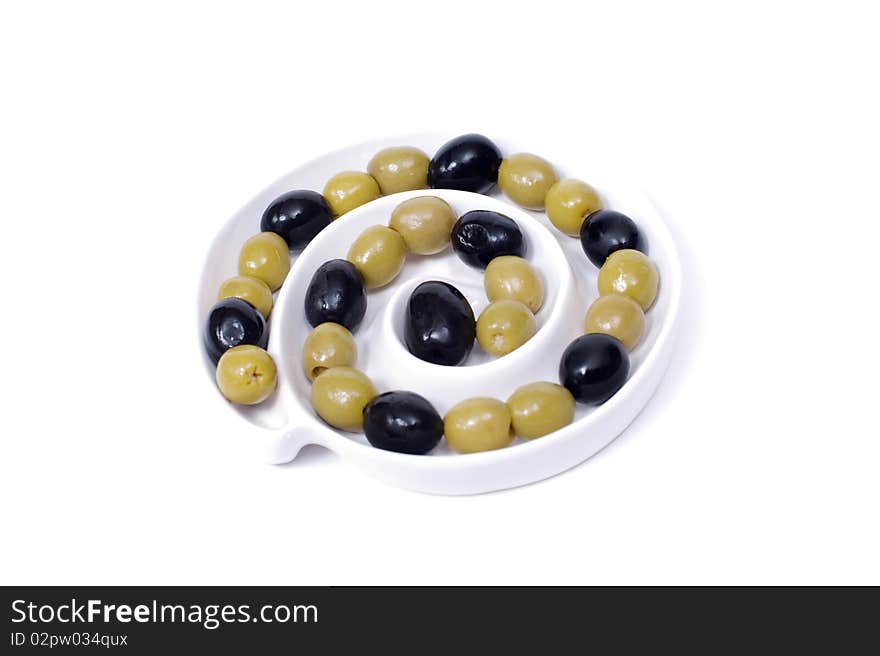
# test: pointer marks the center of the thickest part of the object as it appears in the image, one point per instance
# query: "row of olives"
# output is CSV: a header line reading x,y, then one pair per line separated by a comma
x,y
515,294
406,422
492,241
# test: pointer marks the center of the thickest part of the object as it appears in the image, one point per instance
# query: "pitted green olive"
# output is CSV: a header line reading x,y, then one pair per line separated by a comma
x,y
513,278
339,396
400,168
350,189
379,254
504,326
246,374
250,289
425,224
618,316
630,273
265,256
526,179
569,202
327,346
478,424
540,408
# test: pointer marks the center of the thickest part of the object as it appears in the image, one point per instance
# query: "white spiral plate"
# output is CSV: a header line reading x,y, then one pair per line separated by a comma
x,y
286,422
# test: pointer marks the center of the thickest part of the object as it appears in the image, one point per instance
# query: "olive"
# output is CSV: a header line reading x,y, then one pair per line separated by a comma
x,y
618,316
232,322
401,168
568,202
468,163
512,277
440,326
632,274
594,367
379,254
252,290
403,422
246,374
339,396
479,236
606,231
297,216
540,408
504,326
526,179
329,345
267,257
336,294
425,224
350,189
478,424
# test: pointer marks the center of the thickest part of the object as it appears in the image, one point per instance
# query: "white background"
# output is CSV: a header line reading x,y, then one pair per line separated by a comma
x,y
130,132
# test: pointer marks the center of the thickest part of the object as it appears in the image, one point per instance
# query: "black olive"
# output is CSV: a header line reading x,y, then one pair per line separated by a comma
x,y
233,322
467,163
403,422
606,231
440,326
479,236
594,367
336,294
297,216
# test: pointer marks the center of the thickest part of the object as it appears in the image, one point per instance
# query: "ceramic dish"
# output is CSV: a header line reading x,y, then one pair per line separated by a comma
x,y
286,422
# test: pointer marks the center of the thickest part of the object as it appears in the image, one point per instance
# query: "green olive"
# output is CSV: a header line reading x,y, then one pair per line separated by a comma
x,y
246,374
252,290
339,396
379,254
478,424
630,273
425,224
540,408
618,316
329,345
569,202
400,168
512,277
350,189
266,257
504,326
526,179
